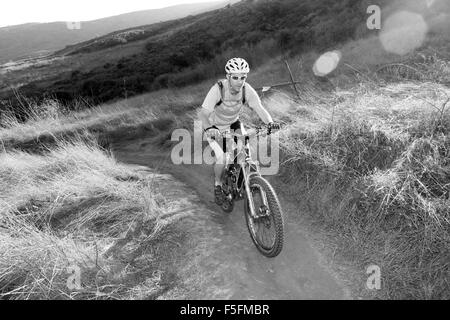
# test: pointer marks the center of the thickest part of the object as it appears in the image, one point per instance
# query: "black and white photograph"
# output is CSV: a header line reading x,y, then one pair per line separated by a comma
x,y
225,155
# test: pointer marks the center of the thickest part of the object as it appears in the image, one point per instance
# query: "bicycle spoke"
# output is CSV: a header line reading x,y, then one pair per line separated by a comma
x,y
267,233
264,231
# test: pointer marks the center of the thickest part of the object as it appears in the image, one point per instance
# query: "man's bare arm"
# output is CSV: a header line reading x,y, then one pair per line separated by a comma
x,y
204,118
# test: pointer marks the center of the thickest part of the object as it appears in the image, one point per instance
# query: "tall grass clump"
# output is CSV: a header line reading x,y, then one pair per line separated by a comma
x,y
373,171
75,207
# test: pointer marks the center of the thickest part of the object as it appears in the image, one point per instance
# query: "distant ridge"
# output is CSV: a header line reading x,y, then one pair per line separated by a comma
x,y
36,39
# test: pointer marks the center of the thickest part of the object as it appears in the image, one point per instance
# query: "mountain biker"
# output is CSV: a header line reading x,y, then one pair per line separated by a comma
x,y
221,109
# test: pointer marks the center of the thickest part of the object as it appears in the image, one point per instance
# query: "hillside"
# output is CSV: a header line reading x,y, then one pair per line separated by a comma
x,y
37,39
187,50
180,52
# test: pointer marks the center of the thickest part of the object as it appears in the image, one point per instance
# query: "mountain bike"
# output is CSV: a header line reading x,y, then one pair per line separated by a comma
x,y
241,180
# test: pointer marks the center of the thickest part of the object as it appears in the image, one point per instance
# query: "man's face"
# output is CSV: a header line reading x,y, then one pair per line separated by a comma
x,y
237,80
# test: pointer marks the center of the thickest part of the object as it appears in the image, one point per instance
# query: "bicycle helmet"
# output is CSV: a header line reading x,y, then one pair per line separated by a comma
x,y
237,65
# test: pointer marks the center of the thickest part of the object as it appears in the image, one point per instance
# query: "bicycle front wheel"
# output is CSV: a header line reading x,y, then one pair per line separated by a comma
x,y
266,227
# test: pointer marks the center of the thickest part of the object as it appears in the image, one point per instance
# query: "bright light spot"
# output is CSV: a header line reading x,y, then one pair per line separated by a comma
x,y
326,63
403,32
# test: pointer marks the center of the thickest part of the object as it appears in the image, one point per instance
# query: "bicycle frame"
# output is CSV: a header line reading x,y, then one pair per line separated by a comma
x,y
244,164
241,172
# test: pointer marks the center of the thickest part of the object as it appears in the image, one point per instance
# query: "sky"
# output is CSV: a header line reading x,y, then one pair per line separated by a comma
x,y
14,12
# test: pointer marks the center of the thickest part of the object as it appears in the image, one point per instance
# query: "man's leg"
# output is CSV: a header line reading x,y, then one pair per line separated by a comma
x,y
238,128
218,169
219,146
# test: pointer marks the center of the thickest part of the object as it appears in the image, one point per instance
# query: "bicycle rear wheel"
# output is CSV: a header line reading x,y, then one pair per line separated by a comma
x,y
267,229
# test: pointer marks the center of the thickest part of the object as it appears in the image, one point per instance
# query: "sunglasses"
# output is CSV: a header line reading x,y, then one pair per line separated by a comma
x,y
237,78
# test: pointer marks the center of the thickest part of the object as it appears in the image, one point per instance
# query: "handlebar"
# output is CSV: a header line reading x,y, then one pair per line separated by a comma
x,y
252,132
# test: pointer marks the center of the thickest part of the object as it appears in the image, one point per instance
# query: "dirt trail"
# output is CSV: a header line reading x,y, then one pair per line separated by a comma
x,y
230,265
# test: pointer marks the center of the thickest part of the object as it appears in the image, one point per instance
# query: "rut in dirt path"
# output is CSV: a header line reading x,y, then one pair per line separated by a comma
x,y
236,268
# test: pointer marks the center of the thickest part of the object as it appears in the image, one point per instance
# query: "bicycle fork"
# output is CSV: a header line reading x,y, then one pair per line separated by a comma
x,y
250,197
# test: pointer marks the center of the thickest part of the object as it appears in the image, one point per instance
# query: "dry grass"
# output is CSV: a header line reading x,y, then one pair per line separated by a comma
x,y
373,170
52,119
77,207
74,206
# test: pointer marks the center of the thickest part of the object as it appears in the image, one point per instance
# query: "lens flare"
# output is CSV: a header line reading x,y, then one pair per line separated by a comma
x,y
326,63
403,32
